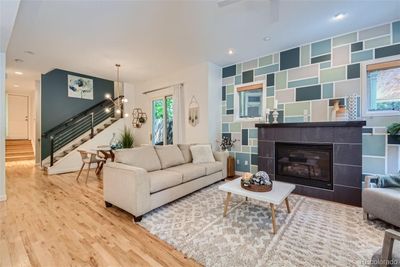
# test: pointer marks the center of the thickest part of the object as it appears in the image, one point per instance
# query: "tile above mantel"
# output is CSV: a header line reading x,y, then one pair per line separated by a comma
x,y
313,124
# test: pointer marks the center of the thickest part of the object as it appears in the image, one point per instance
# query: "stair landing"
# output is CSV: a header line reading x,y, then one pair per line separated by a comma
x,y
17,150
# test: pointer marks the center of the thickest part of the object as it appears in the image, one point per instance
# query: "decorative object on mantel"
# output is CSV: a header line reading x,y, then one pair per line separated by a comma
x,y
259,182
118,102
275,115
352,107
267,111
193,112
114,144
139,117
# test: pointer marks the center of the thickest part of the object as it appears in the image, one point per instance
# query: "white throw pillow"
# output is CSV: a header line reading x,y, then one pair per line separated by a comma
x,y
202,154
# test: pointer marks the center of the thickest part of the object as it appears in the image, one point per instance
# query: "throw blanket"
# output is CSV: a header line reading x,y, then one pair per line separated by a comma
x,y
389,180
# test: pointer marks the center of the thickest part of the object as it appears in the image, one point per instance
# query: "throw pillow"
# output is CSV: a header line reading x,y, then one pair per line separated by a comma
x,y
185,149
202,154
169,156
389,180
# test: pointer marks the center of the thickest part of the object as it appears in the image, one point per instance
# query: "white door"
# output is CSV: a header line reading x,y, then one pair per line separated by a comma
x,y
18,117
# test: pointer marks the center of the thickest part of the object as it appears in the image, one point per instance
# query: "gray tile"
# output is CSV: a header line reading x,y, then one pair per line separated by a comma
x,y
387,51
290,58
347,175
320,59
267,165
308,93
266,149
348,135
349,154
317,134
229,71
288,134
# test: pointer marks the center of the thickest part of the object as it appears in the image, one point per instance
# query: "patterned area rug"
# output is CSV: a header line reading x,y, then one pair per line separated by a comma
x,y
315,233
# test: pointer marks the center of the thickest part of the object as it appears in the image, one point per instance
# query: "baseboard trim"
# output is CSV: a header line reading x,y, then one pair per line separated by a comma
x,y
3,198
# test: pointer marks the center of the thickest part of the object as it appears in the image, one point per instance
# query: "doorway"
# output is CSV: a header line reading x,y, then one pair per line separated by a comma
x,y
18,117
162,121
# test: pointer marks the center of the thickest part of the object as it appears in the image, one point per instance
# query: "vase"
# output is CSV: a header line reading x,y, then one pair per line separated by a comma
x,y
113,142
352,107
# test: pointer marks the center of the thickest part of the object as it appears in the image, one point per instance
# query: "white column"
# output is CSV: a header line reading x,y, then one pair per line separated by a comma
x,y
38,122
2,126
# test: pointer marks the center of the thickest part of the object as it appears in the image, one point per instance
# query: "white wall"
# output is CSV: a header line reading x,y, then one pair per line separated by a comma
x,y
2,127
198,81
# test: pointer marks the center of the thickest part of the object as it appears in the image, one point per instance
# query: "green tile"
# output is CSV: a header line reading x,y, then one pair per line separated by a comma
x,y
230,89
223,109
238,79
325,65
246,149
266,69
254,150
281,80
327,90
304,82
297,109
270,91
238,69
254,169
305,55
264,61
276,58
396,31
253,133
270,102
345,39
333,74
374,145
235,127
373,165
294,119
377,42
374,32
321,48
229,101
227,118
361,56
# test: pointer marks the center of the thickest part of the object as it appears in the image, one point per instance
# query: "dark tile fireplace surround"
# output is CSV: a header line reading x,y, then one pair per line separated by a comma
x,y
323,159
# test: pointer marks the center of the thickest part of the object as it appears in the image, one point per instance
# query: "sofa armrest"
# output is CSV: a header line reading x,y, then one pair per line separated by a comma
x,y
367,180
127,187
387,249
222,156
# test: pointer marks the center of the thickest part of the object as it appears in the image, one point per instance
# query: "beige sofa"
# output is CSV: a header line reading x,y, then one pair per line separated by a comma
x,y
144,178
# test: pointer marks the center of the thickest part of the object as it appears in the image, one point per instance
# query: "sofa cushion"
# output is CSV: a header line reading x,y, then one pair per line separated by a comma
x,y
169,156
211,167
143,157
189,171
160,180
202,154
187,154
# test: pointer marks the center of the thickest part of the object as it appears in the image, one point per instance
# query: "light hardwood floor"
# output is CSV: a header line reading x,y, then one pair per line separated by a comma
x,y
17,150
53,221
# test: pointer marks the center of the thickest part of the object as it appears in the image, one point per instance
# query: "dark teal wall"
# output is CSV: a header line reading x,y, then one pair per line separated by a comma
x,y
57,107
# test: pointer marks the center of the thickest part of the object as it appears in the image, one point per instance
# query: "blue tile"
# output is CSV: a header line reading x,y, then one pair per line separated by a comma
x,y
223,93
253,133
229,71
270,91
304,82
361,56
229,111
281,106
294,119
271,79
245,137
320,48
327,90
254,150
325,65
320,59
357,47
374,145
266,70
373,165
308,93
247,76
353,71
225,128
238,79
242,158
387,51
289,58
396,32
254,159
229,101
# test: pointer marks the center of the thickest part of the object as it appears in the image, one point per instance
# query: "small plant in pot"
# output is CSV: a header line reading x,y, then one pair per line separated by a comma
x,y
394,128
126,138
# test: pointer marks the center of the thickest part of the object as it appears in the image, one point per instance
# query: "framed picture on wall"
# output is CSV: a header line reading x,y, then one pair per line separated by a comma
x,y
80,87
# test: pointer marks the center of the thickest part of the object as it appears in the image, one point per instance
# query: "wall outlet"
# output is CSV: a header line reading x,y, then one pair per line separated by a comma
x,y
246,162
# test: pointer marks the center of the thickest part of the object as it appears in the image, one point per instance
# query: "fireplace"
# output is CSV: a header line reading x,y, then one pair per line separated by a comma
x,y
305,164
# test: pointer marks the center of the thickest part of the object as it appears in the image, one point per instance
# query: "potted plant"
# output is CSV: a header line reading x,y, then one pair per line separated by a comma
x,y
126,138
394,128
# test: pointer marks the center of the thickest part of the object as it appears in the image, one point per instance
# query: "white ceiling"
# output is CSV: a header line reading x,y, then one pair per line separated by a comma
x,y
151,38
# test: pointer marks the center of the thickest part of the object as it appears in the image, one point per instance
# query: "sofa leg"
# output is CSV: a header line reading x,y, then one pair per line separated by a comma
x,y
108,204
137,218
365,215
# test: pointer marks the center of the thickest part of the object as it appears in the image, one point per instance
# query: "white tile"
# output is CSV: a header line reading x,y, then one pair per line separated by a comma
x,y
341,55
346,88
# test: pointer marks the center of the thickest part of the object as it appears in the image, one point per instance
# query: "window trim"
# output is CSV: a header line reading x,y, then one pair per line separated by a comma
x,y
364,89
236,104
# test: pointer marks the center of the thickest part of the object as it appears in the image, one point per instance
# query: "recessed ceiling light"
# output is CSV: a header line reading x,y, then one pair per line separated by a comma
x,y
267,38
16,85
18,72
231,52
18,60
29,52
339,16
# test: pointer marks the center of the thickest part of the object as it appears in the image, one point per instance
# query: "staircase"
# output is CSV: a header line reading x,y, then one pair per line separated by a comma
x,y
74,132
17,150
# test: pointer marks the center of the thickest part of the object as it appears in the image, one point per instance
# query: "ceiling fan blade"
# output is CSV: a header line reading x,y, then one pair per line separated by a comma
x,y
224,3
274,10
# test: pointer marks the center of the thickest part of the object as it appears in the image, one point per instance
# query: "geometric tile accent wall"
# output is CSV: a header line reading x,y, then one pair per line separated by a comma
x,y
309,77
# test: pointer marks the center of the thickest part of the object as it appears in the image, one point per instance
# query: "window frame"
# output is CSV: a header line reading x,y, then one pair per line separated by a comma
x,y
365,91
236,100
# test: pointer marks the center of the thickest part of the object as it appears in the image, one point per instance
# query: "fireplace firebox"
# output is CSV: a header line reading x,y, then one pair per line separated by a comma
x,y
305,164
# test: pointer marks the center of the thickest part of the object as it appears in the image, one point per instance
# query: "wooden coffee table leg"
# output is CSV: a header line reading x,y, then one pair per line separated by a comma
x,y
273,218
228,198
287,204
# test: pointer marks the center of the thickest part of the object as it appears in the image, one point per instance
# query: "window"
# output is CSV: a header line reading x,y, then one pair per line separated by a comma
x,y
250,101
382,88
162,122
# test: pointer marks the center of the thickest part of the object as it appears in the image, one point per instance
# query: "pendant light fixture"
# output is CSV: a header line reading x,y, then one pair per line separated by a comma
x,y
119,101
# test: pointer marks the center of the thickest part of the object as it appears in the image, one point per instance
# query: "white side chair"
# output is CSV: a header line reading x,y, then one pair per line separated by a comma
x,y
89,157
